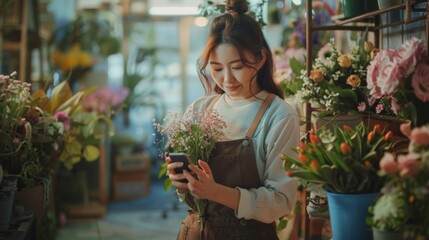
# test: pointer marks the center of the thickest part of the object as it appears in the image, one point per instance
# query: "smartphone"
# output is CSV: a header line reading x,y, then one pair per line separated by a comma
x,y
181,157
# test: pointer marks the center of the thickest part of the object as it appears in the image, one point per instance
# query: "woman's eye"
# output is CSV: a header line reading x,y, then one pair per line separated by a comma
x,y
217,69
237,67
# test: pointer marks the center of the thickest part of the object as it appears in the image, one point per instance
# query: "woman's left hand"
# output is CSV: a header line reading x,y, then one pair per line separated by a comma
x,y
201,183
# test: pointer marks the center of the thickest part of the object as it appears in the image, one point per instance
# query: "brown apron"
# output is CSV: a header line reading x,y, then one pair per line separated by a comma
x,y
233,164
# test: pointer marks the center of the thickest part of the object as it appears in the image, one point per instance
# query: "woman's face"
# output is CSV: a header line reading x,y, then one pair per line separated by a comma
x,y
231,74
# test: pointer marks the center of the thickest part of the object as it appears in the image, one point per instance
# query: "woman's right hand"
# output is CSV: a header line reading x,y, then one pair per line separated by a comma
x,y
178,180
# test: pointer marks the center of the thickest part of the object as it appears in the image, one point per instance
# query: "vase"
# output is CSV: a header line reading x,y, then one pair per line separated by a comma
x,y
319,121
386,235
388,3
7,196
348,213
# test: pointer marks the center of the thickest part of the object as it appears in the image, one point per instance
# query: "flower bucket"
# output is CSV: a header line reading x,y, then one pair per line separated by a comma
x,y
386,235
388,3
353,8
348,213
7,196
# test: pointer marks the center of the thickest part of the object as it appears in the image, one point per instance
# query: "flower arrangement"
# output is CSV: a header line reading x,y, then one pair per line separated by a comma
x,y
289,63
337,82
403,207
30,137
196,134
85,109
401,76
343,161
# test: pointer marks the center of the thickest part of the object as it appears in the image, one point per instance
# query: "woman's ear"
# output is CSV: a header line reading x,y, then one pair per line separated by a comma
x,y
261,62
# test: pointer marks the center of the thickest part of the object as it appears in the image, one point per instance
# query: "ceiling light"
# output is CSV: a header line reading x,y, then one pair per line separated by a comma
x,y
173,11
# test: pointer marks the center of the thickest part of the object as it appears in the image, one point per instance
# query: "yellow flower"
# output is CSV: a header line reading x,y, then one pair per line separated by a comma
x,y
316,75
353,80
344,61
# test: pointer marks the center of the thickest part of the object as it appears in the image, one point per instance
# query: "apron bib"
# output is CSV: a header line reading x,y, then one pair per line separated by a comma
x,y
233,164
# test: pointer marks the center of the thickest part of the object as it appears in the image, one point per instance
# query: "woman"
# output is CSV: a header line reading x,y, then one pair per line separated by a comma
x,y
244,181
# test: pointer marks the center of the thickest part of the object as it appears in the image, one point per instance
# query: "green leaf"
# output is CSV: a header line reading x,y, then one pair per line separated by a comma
x,y
296,66
281,225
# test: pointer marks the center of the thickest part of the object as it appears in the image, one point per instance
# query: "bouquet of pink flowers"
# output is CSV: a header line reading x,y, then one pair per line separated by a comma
x,y
196,134
401,75
403,207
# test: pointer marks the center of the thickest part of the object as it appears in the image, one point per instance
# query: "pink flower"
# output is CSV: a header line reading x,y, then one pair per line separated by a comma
x,y
420,82
406,129
62,117
379,108
388,164
388,80
361,107
409,164
408,55
420,136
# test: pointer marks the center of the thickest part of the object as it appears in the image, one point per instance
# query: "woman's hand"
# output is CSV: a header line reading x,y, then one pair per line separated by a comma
x,y
201,183
178,180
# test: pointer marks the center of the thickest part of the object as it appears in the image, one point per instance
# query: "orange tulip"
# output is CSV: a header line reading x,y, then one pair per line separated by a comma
x,y
347,128
289,173
377,128
388,136
345,149
314,165
370,136
314,139
368,164
303,158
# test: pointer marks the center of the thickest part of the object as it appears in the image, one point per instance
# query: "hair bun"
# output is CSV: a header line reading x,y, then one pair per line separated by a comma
x,y
238,6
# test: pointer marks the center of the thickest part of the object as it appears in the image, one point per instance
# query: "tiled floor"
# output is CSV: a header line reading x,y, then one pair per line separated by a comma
x,y
126,225
155,217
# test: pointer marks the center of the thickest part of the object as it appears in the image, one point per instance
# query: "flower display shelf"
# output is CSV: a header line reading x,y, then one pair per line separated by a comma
x,y
369,22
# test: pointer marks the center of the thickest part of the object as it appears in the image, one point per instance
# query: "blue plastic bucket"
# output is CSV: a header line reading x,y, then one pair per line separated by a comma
x,y
348,213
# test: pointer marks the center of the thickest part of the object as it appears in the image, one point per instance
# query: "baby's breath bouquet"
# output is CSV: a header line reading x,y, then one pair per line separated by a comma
x,y
196,134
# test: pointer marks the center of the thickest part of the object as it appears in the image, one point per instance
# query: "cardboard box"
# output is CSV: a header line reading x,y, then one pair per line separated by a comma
x,y
130,185
134,162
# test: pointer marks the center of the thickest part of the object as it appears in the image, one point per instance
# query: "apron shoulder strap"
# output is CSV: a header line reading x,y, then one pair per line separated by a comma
x,y
213,101
259,115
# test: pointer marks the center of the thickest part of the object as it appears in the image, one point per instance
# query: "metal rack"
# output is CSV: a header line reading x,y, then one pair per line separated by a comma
x,y
372,24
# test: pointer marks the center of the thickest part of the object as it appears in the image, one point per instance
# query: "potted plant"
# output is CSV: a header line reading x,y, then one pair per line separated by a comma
x,y
344,163
402,208
30,138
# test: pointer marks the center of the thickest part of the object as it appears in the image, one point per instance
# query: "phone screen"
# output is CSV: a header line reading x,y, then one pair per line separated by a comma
x,y
180,157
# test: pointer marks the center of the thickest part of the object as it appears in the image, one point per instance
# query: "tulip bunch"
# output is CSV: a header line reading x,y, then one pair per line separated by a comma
x,y
345,160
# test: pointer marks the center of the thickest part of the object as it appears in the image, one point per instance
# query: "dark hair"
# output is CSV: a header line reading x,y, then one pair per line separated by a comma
x,y
242,31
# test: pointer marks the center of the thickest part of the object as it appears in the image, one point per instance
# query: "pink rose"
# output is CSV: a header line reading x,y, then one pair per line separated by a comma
x,y
388,80
408,55
420,136
420,82
409,164
371,77
388,164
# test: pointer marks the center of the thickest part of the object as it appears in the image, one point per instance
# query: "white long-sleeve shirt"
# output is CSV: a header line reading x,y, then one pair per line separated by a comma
x,y
278,132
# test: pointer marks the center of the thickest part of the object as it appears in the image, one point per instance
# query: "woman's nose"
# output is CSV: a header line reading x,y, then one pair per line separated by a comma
x,y
227,75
